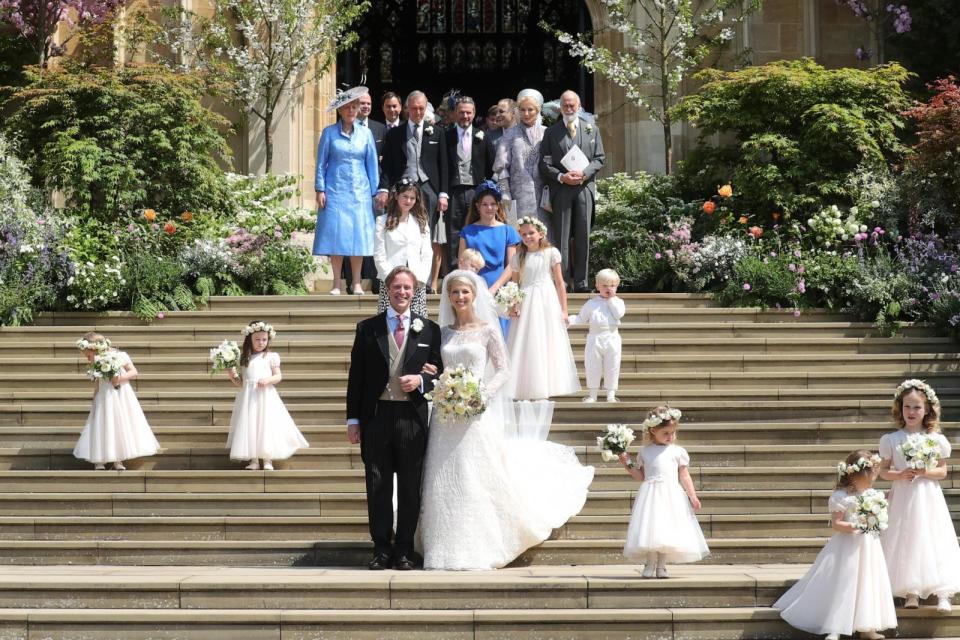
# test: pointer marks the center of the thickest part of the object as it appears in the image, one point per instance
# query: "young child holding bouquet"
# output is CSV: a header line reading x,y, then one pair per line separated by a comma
x,y
921,548
663,527
116,429
261,426
601,355
847,589
539,346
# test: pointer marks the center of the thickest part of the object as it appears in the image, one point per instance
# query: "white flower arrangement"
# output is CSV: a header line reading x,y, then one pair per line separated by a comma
x,y
97,345
478,135
225,356
106,365
670,415
255,327
921,451
615,441
919,385
536,223
844,469
428,129
589,128
458,394
871,514
417,325
508,296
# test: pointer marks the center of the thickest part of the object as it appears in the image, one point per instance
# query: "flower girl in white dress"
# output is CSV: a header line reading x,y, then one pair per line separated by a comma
x,y
539,346
663,527
847,589
921,544
116,429
260,427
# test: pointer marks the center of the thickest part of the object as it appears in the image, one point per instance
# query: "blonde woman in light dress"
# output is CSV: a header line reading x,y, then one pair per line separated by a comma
x,y
116,429
260,426
921,543
847,589
517,161
663,526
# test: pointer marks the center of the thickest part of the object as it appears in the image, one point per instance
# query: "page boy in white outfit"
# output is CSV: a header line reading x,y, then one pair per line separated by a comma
x,y
602,352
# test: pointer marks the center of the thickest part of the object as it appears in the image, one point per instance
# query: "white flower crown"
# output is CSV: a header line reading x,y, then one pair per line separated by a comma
x,y
670,415
533,222
97,345
844,469
254,327
909,385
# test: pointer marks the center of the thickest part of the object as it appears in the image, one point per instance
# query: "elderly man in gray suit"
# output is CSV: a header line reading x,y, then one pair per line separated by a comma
x,y
572,193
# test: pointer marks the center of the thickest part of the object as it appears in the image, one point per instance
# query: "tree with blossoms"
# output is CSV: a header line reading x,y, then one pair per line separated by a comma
x,y
264,50
37,21
875,15
663,40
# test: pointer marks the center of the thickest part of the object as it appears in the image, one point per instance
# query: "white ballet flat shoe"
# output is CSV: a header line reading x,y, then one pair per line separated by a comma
x,y
357,290
118,466
612,398
335,291
912,601
662,572
833,636
589,399
253,466
649,570
943,604
99,467
872,635
267,465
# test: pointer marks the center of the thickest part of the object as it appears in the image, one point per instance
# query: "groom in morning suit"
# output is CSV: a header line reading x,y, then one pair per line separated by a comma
x,y
387,415
572,193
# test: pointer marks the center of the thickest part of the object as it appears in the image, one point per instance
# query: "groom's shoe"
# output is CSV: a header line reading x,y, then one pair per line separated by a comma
x,y
380,562
404,563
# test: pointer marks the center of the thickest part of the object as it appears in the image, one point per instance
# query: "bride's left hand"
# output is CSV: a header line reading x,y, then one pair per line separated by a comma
x,y
429,369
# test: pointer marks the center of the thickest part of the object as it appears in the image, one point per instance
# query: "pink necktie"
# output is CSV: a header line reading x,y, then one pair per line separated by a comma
x,y
465,140
398,332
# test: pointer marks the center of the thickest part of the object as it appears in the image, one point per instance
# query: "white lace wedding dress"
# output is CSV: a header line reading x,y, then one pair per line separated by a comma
x,y
486,500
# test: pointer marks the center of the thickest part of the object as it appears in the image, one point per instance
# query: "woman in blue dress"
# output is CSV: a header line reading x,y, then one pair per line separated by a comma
x,y
346,182
487,231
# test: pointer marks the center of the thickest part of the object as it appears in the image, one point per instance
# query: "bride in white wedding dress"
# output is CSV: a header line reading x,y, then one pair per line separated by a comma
x,y
485,499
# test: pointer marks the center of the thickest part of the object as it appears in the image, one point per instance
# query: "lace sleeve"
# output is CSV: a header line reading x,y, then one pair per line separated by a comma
x,y
498,359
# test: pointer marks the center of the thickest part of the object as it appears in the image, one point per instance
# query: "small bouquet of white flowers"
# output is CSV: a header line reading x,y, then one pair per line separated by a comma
x,y
458,394
615,441
921,451
871,514
508,295
225,356
106,365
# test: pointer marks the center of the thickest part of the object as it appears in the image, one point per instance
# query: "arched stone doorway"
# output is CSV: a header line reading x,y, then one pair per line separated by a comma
x,y
488,49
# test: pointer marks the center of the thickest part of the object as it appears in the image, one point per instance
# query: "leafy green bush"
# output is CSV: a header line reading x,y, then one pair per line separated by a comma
x,y
123,139
800,131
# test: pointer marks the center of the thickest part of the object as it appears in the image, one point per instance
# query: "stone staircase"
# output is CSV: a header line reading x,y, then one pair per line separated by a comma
x,y
187,544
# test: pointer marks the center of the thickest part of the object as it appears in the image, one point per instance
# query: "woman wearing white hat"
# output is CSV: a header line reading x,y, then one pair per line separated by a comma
x,y
346,181
518,155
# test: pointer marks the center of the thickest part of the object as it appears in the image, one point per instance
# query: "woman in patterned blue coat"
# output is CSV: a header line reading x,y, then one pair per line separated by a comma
x,y
346,181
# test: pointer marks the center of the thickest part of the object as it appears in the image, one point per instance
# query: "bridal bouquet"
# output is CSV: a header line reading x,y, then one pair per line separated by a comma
x,y
457,394
615,441
871,514
508,295
225,356
106,365
920,451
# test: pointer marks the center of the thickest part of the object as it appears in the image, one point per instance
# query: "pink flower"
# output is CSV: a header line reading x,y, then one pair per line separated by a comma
x,y
746,286
796,313
801,269
792,267
657,256
161,315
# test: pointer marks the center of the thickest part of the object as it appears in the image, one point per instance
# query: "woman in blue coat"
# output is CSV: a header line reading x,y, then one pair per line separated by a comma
x,y
346,181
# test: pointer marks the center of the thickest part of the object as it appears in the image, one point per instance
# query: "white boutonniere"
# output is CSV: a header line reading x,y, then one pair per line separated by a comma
x,y
478,135
417,325
428,129
589,128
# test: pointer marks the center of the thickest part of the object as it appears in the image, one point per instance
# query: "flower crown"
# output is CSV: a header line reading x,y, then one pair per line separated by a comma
x,y
844,469
255,327
909,385
670,415
97,345
533,222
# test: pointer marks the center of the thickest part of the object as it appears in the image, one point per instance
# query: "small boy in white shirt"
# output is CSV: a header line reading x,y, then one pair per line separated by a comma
x,y
602,352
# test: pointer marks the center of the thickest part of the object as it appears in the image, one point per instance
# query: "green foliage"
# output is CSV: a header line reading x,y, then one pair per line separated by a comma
x,y
120,139
800,131
761,282
279,270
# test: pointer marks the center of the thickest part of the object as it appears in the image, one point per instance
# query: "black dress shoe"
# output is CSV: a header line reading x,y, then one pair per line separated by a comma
x,y
403,563
430,290
380,562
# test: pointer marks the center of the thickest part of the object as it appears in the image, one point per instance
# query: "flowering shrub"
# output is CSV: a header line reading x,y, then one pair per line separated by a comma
x,y
259,204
